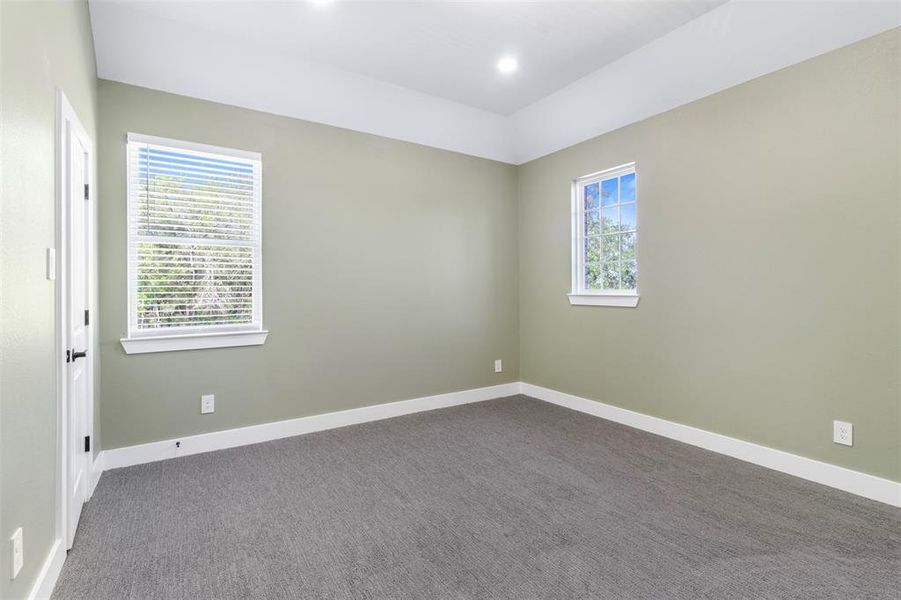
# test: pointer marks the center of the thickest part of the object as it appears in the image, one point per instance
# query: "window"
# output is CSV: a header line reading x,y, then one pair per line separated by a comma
x,y
605,233
194,246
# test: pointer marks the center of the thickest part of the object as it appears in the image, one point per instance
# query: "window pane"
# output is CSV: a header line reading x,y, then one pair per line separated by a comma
x,y
627,217
610,216
629,272
627,188
627,247
592,250
608,241
593,278
610,191
193,239
592,223
181,285
611,276
591,196
182,195
611,247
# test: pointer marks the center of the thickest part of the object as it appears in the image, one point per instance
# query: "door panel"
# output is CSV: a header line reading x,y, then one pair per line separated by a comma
x,y
78,392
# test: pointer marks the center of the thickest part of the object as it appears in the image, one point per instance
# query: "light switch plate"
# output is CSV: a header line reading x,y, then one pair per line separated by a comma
x,y
51,263
498,366
16,554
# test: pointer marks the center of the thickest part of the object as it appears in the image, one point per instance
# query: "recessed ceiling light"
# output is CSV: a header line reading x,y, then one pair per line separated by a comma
x,y
507,65
320,2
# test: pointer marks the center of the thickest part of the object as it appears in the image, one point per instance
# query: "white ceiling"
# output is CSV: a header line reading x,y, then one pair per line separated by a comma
x,y
424,71
447,49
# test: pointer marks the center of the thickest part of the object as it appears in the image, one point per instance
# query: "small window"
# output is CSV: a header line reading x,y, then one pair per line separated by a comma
x,y
194,246
605,237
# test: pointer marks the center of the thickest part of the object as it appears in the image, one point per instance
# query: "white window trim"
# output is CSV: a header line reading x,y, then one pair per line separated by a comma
x,y
579,295
199,341
621,299
253,334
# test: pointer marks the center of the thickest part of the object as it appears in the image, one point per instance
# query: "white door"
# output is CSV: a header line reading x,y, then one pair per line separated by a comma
x,y
78,386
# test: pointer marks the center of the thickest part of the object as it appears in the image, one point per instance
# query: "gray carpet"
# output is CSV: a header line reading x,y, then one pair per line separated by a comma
x,y
511,498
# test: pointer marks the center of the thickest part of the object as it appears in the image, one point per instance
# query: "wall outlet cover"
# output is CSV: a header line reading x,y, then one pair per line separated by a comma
x,y
843,433
498,366
16,553
207,403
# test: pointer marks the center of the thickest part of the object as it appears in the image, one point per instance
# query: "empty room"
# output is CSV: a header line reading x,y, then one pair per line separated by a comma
x,y
427,299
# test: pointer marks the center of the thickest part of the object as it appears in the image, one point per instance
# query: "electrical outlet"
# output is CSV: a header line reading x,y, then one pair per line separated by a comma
x,y
207,403
843,433
16,554
498,366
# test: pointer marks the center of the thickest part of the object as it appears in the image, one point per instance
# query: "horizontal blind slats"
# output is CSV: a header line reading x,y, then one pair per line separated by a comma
x,y
188,241
174,291
196,203
200,193
191,165
173,175
193,155
175,213
197,226
194,238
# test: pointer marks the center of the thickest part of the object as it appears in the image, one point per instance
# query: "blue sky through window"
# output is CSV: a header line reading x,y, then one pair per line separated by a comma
x,y
610,223
627,188
194,170
610,191
627,216
591,196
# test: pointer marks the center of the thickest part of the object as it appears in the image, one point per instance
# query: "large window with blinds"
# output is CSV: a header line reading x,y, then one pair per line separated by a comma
x,y
194,246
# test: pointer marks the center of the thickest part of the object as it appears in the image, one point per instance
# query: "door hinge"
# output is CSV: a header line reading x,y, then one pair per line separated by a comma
x,y
87,191
87,443
87,317
68,356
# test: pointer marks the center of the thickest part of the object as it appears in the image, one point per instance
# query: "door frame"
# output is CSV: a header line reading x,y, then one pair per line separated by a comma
x,y
68,124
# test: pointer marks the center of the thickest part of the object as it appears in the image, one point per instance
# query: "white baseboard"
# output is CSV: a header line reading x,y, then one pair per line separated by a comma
x,y
49,573
855,482
53,564
254,434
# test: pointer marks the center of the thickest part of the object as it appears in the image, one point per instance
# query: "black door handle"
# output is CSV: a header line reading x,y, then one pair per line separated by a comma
x,y
73,356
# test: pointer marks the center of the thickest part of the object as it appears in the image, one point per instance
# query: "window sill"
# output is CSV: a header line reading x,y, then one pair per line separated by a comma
x,y
200,341
621,300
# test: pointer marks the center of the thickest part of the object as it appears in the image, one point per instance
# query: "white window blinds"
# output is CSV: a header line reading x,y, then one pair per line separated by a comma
x,y
194,239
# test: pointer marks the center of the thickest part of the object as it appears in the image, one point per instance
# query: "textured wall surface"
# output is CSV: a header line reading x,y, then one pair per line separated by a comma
x,y
45,46
769,263
389,272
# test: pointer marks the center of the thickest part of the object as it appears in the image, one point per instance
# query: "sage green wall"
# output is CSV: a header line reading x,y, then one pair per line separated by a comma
x,y
43,46
770,268
769,263
389,272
